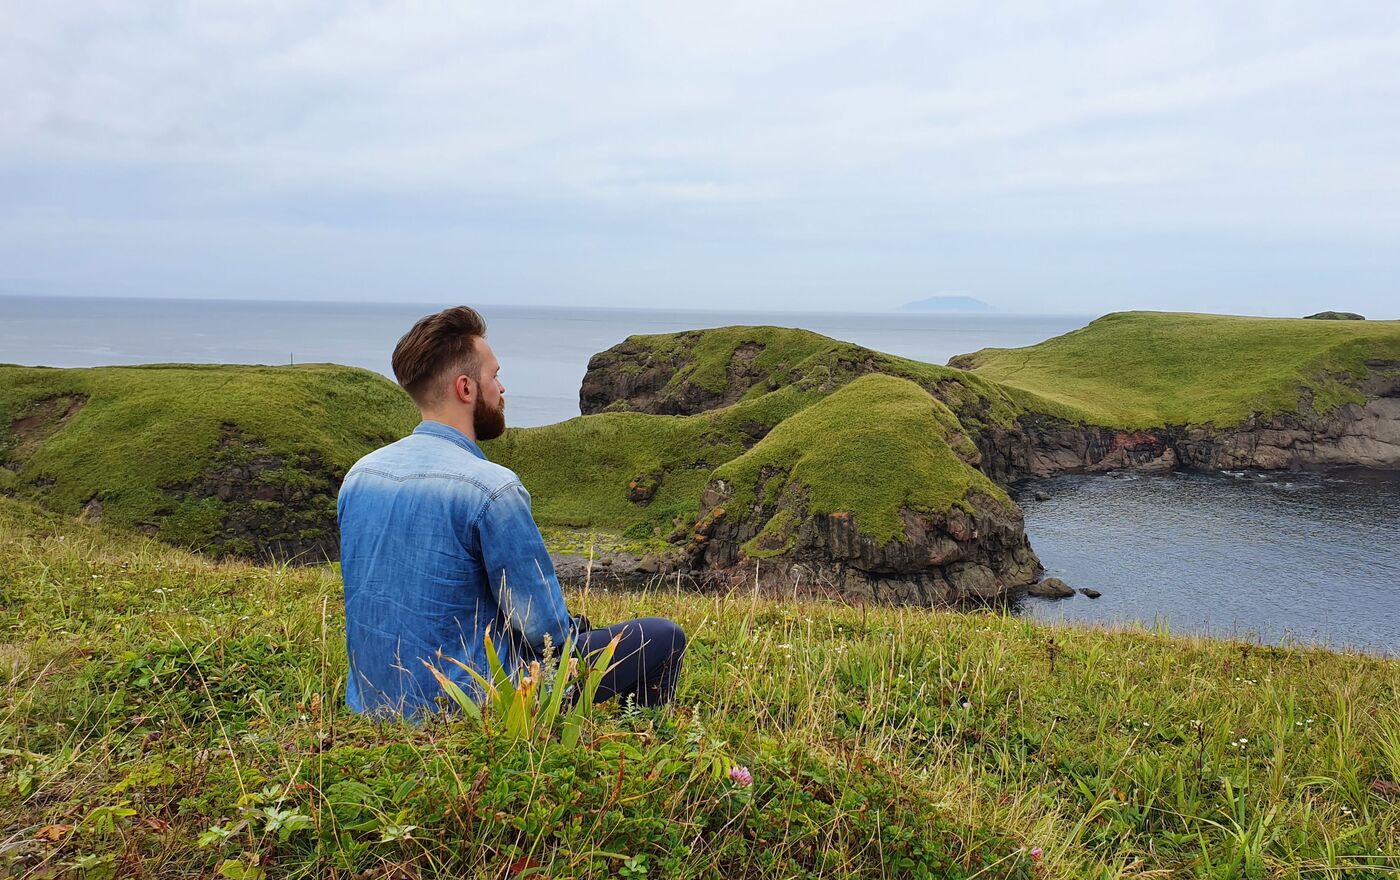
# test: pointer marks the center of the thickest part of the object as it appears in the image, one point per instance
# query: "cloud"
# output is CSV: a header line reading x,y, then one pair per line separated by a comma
x,y
722,150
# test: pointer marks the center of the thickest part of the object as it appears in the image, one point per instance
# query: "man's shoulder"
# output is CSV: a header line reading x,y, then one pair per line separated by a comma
x,y
425,457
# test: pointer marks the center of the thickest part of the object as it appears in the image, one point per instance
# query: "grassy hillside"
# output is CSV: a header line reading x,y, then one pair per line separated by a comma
x,y
154,445
757,360
876,447
170,716
1148,369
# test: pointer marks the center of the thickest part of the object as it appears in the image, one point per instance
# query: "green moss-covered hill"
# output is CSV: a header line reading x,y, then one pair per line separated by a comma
x,y
880,445
238,459
1148,369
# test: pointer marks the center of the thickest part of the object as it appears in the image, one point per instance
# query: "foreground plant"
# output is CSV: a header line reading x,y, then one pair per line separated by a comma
x,y
528,708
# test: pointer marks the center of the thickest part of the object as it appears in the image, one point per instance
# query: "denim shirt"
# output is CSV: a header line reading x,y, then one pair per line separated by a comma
x,y
437,546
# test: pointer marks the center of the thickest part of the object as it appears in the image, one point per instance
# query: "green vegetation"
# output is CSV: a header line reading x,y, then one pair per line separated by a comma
x,y
843,453
166,715
1146,369
149,443
779,357
578,472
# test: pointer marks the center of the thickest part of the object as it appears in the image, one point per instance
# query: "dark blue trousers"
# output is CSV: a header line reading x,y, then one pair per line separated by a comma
x,y
647,663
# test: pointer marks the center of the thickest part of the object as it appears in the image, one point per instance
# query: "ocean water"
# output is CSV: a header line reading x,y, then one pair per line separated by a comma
x,y
1263,556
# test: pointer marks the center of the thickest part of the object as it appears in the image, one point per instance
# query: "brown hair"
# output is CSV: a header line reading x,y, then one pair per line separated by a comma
x,y
436,344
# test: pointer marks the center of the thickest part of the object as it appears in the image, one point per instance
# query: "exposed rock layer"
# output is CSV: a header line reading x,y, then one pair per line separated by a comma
x,y
974,554
1351,435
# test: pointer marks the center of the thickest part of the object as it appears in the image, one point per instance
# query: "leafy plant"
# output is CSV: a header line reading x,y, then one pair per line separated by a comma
x,y
529,707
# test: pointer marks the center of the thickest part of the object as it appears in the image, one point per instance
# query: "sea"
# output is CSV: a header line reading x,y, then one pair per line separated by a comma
x,y
1271,558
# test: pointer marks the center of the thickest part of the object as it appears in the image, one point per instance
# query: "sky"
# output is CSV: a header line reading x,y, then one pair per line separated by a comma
x,y
1043,157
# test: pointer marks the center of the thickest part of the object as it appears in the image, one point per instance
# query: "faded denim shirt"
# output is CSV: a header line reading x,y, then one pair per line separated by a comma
x,y
437,546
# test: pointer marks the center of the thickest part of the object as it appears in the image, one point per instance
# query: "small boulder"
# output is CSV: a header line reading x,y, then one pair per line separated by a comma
x,y
1051,588
1042,496
1092,594
642,488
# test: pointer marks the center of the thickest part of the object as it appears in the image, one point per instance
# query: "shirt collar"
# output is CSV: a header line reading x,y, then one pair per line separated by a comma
x,y
449,433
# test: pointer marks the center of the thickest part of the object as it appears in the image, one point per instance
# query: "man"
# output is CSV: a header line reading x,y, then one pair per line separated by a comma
x,y
438,547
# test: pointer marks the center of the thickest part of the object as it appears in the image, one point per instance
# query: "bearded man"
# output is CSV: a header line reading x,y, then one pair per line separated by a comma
x,y
438,547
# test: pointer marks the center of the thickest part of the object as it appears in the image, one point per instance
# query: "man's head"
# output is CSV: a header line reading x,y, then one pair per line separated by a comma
x,y
446,366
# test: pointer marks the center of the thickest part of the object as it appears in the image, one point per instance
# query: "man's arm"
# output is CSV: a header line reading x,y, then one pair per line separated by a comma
x,y
520,571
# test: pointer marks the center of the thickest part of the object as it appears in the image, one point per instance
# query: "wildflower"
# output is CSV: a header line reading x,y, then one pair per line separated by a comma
x,y
1036,853
741,776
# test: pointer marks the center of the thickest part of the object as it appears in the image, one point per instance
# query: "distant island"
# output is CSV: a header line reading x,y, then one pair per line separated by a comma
x,y
947,304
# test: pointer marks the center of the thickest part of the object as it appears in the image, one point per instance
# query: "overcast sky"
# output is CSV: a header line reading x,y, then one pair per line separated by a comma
x,y
1234,157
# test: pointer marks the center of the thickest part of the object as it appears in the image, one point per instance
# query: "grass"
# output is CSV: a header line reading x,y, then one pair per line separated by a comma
x,y
841,453
139,434
579,471
1148,369
792,357
167,715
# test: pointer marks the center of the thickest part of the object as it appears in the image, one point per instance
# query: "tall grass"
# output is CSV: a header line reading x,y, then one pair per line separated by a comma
x,y
167,716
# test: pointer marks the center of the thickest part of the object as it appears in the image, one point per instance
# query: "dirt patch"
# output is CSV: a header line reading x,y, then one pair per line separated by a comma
x,y
40,421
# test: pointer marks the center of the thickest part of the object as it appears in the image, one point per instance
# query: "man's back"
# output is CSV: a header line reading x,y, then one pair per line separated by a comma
x,y
437,547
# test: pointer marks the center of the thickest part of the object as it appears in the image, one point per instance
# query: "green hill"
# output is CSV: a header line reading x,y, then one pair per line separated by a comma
x,y
246,460
1149,369
240,459
168,715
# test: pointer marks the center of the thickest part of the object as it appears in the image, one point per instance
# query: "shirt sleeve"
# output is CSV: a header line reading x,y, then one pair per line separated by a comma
x,y
521,573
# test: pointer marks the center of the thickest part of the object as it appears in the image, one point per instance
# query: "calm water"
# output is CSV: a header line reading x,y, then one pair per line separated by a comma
x,y
1273,557
543,351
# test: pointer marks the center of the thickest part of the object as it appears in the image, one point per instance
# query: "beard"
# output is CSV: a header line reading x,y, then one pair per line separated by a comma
x,y
489,422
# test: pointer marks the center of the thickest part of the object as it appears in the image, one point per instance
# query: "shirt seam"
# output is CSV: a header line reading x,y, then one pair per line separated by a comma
x,y
491,499
431,475
472,450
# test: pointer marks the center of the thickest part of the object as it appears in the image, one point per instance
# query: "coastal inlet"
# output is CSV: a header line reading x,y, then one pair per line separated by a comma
x,y
1264,556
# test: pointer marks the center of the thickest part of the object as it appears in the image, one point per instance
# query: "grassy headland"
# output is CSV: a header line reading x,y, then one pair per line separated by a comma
x,y
1148,369
196,454
166,715
842,451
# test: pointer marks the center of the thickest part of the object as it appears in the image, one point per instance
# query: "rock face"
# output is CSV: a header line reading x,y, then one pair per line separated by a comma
x,y
257,505
641,374
976,555
1353,434
871,493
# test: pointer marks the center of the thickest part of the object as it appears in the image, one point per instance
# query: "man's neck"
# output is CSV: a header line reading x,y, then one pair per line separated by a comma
x,y
452,420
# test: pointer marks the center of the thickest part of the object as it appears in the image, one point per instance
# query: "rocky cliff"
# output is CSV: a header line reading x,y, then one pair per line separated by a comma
x,y
1142,392
873,492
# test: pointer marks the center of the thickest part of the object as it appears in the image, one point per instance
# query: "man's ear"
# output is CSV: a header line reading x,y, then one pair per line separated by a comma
x,y
463,389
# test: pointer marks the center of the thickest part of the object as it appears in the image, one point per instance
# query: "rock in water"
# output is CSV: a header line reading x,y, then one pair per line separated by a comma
x,y
1051,588
1092,594
1042,496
